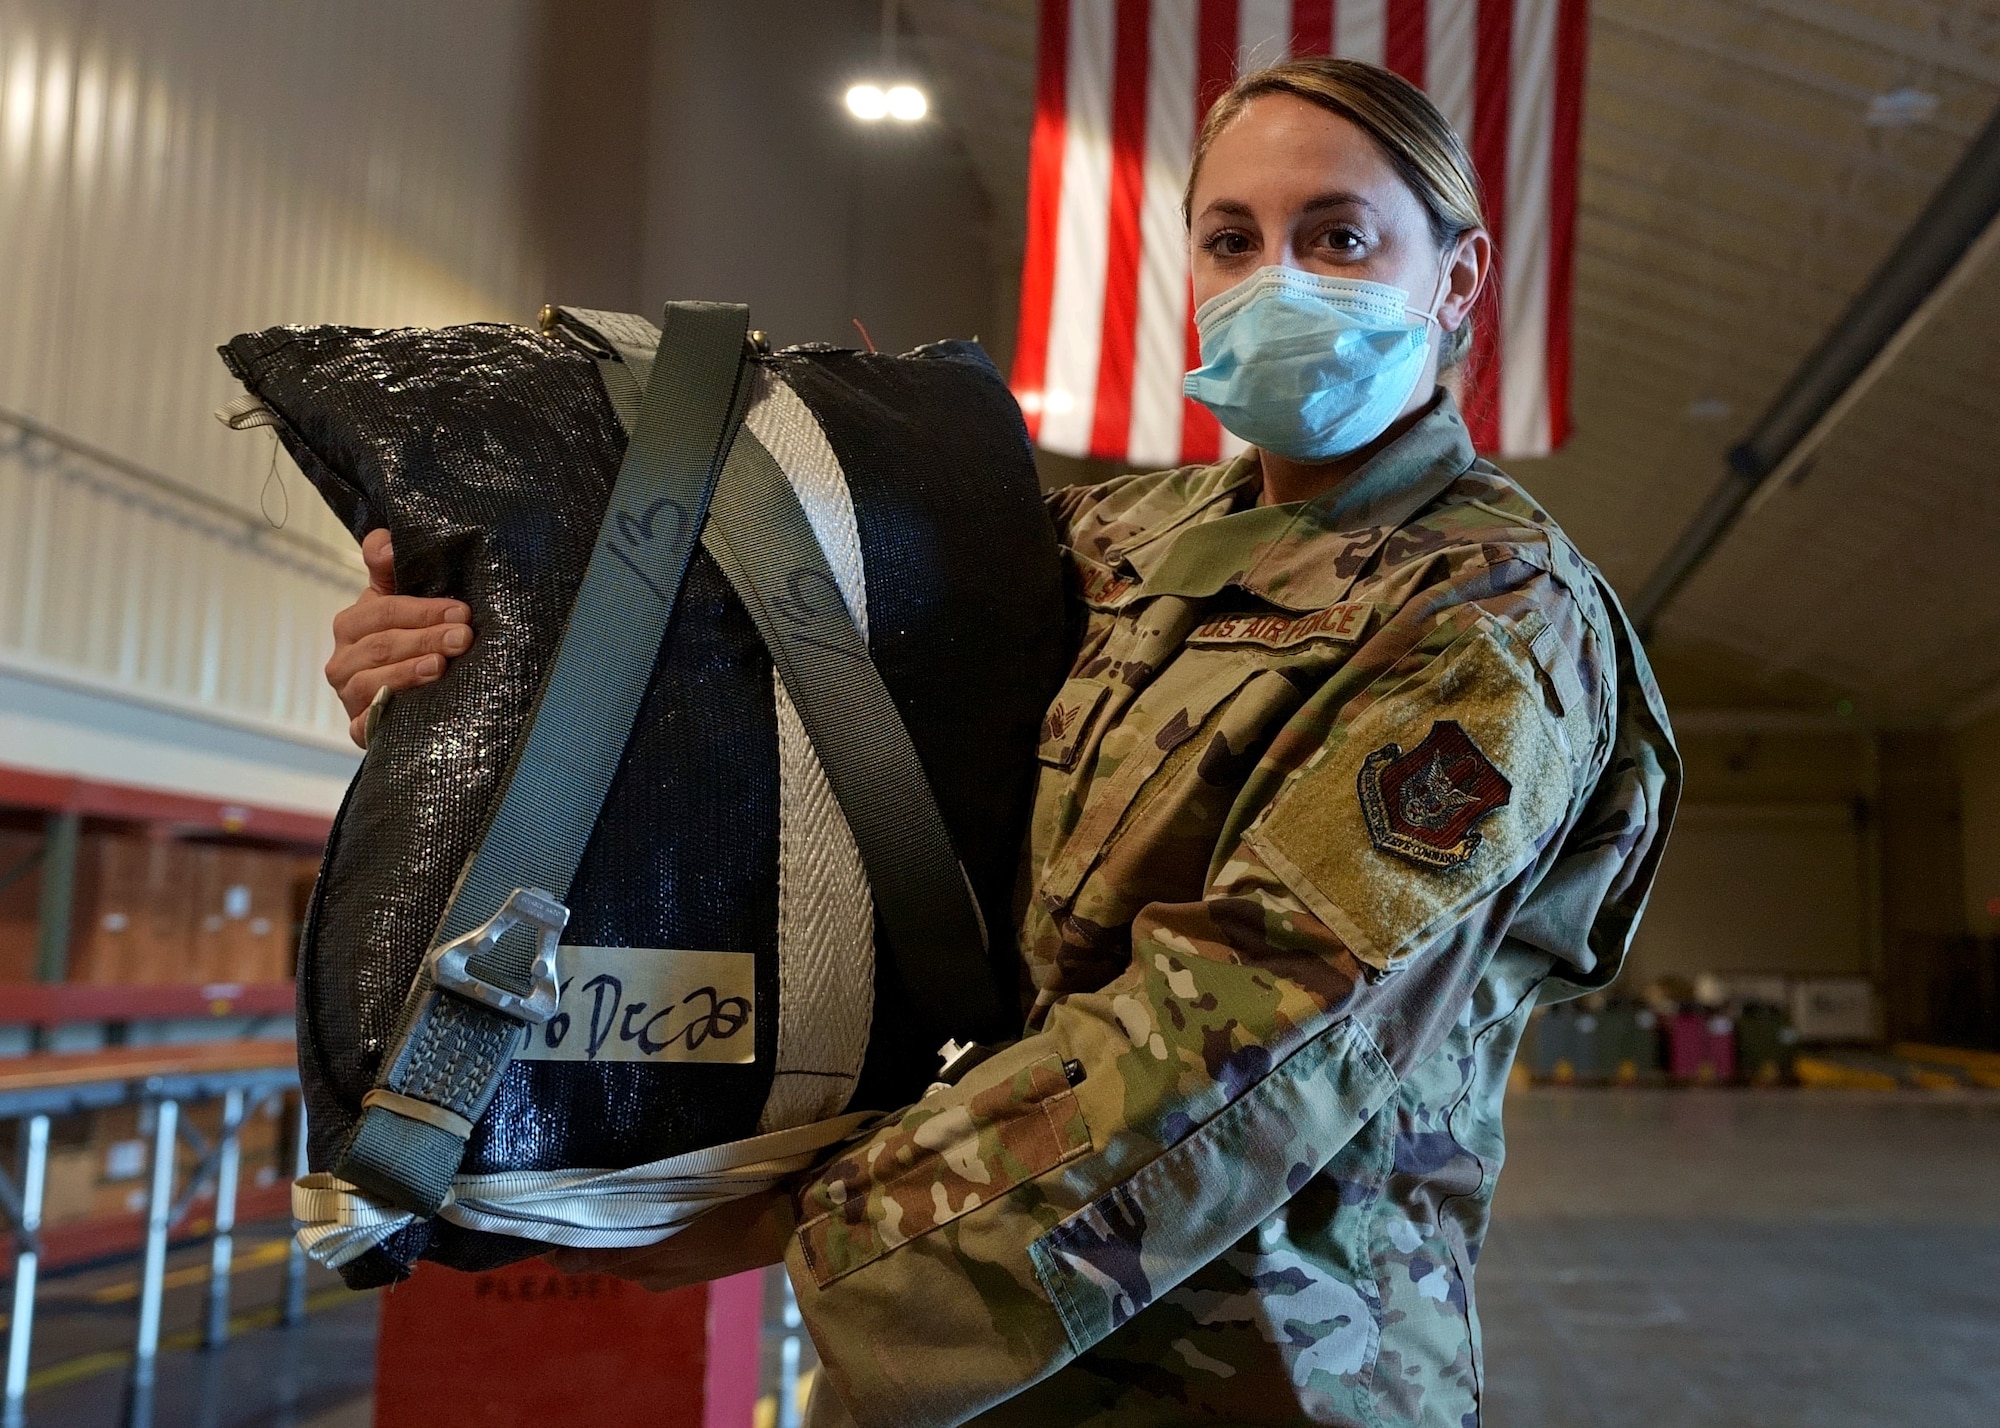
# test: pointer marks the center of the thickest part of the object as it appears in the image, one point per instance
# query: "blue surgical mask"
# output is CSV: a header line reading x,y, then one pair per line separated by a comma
x,y
1308,366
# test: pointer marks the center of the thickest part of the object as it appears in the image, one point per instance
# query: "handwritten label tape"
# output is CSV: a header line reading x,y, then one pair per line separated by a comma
x,y
649,1004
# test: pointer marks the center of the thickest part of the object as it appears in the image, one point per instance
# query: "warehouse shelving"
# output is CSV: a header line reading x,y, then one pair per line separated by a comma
x,y
176,1077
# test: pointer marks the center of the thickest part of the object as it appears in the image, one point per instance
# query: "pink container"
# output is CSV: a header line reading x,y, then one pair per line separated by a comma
x,y
1701,1048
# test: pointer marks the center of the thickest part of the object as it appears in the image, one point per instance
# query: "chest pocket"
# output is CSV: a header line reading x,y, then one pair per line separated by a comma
x,y
1170,710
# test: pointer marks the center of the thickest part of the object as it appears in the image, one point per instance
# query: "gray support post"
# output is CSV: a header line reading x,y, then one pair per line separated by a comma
x,y
295,1257
159,1211
222,1249
27,1260
58,893
788,1362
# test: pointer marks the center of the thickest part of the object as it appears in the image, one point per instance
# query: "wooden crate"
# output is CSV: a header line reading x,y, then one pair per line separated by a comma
x,y
243,915
133,910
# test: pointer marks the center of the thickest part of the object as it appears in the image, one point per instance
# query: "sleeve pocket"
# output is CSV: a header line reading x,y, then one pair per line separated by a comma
x,y
948,1155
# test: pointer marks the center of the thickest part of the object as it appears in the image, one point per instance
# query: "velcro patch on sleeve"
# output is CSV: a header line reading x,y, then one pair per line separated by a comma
x,y
1426,803
1068,721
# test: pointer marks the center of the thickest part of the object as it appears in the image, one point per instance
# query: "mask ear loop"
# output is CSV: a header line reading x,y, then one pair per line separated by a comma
x,y
1438,292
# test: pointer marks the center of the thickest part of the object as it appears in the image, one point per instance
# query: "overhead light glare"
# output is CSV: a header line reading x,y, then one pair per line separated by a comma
x,y
907,103
1900,108
867,101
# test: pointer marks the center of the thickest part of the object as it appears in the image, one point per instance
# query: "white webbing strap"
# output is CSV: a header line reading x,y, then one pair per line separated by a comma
x,y
826,913
580,1209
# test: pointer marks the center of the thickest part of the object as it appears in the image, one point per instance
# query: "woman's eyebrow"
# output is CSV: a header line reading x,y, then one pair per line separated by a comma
x,y
1236,208
1337,200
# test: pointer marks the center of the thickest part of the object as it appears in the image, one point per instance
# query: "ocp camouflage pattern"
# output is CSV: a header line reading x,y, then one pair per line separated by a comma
x,y
1240,1167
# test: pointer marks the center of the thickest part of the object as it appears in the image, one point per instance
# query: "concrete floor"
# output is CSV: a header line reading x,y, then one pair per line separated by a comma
x,y
1659,1259
1670,1258
266,1377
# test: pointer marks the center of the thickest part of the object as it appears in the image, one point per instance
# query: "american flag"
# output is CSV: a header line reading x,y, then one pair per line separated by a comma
x,y
1106,328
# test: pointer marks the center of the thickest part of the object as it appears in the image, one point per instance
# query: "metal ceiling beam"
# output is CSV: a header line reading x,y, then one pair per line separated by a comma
x,y
1958,229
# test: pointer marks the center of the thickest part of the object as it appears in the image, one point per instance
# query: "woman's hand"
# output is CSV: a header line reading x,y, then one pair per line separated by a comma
x,y
743,1234
390,641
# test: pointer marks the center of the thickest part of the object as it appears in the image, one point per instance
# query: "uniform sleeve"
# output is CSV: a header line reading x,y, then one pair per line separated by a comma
x,y
981,1239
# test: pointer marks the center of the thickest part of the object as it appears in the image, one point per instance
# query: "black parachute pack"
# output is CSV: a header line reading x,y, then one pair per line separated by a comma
x,y
491,454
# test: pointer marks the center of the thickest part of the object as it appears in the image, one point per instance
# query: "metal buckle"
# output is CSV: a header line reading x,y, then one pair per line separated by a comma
x,y
524,906
960,1057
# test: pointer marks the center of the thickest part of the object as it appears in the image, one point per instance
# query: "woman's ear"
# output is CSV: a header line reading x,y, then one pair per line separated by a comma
x,y
1467,265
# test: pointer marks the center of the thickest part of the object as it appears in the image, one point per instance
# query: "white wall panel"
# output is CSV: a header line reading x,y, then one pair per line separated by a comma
x,y
173,172
1764,888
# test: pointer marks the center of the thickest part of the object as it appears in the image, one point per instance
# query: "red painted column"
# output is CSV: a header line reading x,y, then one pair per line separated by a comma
x,y
524,1346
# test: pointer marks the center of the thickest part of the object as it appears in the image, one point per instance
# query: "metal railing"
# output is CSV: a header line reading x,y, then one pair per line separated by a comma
x,y
25,438
241,1091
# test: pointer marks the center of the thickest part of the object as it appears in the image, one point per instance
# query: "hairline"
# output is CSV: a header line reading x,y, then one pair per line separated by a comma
x,y
1246,91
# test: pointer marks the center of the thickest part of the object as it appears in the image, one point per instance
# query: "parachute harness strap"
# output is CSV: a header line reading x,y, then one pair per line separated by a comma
x,y
760,536
490,969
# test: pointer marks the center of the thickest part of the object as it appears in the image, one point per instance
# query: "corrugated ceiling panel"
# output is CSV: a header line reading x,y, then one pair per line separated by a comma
x,y
1734,199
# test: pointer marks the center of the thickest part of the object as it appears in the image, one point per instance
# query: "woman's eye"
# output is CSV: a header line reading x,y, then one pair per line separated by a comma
x,y
1345,241
1226,244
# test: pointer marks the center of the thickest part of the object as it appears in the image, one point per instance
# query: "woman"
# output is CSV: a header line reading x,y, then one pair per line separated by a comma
x,y
1358,761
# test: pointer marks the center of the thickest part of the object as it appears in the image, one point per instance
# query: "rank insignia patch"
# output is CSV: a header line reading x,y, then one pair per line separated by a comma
x,y
1068,720
1422,805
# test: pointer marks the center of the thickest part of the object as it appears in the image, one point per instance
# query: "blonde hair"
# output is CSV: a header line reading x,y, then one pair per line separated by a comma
x,y
1413,133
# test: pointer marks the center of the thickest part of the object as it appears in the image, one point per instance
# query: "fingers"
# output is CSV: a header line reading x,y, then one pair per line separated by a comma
x,y
374,613
380,558
390,641
359,690
377,652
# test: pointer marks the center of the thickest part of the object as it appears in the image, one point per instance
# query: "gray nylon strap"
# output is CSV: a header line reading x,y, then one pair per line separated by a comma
x,y
451,1051
759,535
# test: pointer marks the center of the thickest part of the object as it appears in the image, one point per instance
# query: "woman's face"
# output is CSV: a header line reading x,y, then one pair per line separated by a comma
x,y
1289,184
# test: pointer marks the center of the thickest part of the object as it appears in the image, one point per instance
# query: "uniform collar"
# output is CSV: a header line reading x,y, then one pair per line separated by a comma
x,y
1278,553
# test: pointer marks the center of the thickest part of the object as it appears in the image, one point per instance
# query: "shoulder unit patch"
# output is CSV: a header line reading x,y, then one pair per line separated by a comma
x,y
1422,805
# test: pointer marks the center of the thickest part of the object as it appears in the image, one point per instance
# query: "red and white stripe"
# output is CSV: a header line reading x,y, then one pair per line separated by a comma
x,y
1106,331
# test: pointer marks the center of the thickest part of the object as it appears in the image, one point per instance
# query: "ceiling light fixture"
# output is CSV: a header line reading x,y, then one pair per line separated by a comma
x,y
867,101
893,97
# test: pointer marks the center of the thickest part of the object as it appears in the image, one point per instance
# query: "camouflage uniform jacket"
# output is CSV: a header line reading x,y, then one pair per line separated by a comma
x,y
1337,790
